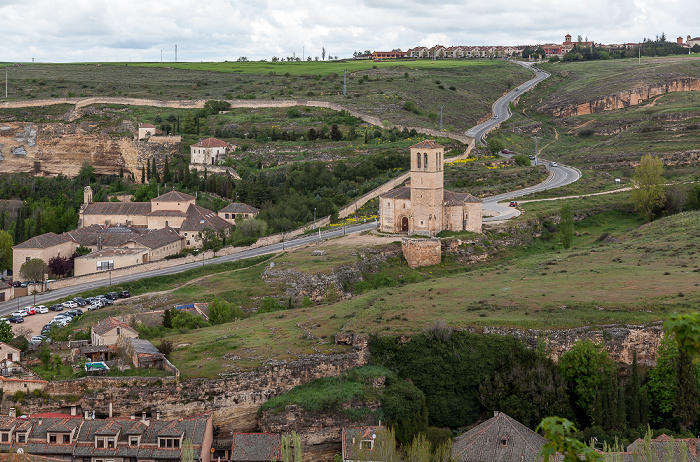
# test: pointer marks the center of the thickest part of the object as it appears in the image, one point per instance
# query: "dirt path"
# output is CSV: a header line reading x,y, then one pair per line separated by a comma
x,y
653,101
581,126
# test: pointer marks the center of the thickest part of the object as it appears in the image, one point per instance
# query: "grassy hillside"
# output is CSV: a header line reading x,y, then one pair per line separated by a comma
x,y
616,272
466,89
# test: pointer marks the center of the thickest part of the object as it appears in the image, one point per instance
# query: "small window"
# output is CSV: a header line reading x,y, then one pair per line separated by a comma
x,y
66,438
5,437
52,438
133,441
100,443
366,444
110,443
21,437
504,441
176,443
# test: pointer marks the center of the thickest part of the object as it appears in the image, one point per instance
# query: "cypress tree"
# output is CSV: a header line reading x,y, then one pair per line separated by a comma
x,y
37,229
143,174
155,171
167,319
166,171
633,393
3,217
685,409
148,171
19,227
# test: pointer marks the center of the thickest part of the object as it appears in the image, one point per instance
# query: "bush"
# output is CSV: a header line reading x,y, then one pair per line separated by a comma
x,y
404,406
522,159
410,106
269,305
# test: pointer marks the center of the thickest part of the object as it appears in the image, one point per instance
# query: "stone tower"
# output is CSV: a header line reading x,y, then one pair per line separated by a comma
x,y
427,191
87,195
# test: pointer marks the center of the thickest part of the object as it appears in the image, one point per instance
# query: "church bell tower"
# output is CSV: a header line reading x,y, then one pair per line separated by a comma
x,y
427,188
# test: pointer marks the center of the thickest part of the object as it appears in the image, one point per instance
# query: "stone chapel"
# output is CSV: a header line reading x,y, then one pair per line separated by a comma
x,y
424,207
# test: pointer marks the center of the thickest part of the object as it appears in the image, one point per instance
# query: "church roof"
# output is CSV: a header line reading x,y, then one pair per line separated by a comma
x,y
173,196
403,192
427,144
455,198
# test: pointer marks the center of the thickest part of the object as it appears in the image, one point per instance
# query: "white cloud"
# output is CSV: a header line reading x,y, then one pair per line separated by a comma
x,y
215,30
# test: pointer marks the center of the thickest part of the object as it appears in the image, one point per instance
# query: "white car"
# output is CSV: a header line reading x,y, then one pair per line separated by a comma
x,y
22,313
4,320
70,304
41,309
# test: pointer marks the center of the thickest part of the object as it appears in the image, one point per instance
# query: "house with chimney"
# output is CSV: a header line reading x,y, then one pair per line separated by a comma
x,y
209,151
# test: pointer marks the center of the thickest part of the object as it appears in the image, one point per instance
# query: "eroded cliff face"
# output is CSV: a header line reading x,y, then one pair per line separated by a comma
x,y
622,99
52,148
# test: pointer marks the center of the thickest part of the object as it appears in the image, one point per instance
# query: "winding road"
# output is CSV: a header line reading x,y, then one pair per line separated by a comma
x,y
559,176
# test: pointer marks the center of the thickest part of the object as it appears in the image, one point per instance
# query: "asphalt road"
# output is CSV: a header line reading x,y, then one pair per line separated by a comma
x,y
501,108
560,175
20,302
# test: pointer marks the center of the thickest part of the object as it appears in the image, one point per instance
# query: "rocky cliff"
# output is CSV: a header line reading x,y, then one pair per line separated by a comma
x,y
52,148
621,99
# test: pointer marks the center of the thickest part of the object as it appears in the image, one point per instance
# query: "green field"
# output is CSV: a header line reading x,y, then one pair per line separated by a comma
x,y
464,89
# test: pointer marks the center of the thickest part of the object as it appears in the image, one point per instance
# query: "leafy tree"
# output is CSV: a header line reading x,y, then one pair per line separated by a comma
x,y
560,441
648,193
404,406
528,387
187,454
44,355
252,227
86,175
495,145
6,244
587,365
166,347
60,266
566,226
336,134
661,383
33,270
221,311
522,159
695,48
81,250
6,334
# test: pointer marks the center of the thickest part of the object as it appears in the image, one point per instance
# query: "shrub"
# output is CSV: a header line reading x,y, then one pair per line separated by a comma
x,y
522,159
410,106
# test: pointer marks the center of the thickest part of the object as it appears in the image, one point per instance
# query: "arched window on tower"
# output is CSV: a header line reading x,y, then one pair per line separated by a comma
x,y
425,160
437,161
418,158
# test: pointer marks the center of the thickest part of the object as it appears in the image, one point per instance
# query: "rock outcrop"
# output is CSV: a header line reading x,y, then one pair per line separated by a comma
x,y
622,99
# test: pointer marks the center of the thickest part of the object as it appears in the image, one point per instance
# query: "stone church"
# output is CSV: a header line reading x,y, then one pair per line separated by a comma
x,y
425,207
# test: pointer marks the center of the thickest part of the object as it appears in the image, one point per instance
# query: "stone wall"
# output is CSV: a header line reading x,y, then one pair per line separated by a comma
x,y
421,252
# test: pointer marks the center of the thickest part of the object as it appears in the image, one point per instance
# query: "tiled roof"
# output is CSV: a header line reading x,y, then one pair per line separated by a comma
x,y
108,324
403,192
117,208
455,198
173,196
239,207
146,126
96,235
199,218
43,241
142,346
113,252
501,438
210,143
166,213
427,144
255,447
158,238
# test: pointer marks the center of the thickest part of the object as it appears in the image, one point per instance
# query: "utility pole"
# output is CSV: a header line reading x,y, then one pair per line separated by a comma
x,y
345,90
537,139
441,116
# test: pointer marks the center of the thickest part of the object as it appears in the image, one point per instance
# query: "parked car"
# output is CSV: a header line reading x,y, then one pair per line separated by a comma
x,y
124,294
513,204
553,164
76,311
531,157
46,328
21,313
111,296
70,304
80,301
15,319
56,307
41,309
94,306
37,338
30,310
507,151
4,320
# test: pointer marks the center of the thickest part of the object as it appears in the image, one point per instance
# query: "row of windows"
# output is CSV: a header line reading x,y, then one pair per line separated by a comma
x,y
5,437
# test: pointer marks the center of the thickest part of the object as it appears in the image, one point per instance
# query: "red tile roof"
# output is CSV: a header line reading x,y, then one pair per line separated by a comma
x,y
210,143
146,126
199,218
108,324
427,144
239,207
403,192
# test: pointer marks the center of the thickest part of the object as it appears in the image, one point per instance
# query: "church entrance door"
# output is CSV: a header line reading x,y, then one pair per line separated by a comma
x,y
404,224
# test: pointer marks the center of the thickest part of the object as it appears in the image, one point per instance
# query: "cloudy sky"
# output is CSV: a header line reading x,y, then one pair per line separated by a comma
x,y
218,30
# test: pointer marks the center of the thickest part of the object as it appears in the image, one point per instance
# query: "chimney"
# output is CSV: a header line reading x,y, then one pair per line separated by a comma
x,y
133,416
73,410
495,413
157,415
679,40
87,417
13,412
143,416
110,410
